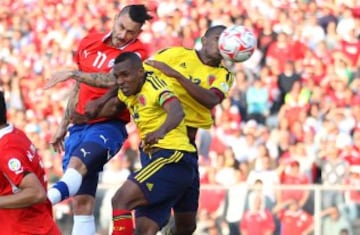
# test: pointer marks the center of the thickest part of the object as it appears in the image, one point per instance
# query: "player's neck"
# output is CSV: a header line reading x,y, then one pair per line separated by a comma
x,y
141,83
207,60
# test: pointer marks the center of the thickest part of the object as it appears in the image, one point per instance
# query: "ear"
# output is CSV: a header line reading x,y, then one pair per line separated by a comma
x,y
203,40
141,71
115,18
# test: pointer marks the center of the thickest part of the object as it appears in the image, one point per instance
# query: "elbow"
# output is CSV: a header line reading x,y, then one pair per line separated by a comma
x,y
38,196
211,103
181,115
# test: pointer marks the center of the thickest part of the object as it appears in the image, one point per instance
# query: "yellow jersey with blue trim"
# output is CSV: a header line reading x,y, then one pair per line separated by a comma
x,y
187,62
146,109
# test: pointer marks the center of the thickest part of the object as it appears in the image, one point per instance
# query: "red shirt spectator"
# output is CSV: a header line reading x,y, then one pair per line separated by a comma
x,y
295,222
294,177
257,220
257,223
353,180
281,51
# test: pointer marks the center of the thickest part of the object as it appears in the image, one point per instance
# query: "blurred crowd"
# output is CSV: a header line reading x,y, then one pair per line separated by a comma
x,y
292,116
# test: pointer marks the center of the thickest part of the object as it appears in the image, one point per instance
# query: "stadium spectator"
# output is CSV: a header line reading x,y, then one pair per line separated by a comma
x,y
334,221
294,220
257,219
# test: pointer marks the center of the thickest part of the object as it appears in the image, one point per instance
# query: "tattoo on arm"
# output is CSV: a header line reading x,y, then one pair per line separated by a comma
x,y
72,102
102,80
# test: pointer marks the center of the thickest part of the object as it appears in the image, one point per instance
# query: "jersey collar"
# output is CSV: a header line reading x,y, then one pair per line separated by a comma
x,y
120,48
6,130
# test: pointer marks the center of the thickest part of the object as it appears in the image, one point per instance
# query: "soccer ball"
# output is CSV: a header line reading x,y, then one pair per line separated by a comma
x,y
237,43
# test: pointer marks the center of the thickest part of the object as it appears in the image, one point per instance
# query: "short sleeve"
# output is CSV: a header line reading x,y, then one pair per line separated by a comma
x,y
223,82
13,167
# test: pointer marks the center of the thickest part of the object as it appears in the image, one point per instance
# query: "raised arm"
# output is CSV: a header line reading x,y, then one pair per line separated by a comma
x,y
208,98
102,80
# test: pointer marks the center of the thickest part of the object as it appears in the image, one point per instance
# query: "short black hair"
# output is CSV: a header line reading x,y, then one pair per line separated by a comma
x,y
214,29
133,57
3,119
137,13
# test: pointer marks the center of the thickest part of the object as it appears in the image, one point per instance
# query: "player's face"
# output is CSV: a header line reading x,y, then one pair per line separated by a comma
x,y
210,45
128,78
124,30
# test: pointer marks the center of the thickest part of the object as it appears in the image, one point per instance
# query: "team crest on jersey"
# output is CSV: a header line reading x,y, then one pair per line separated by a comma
x,y
15,165
211,79
142,100
111,63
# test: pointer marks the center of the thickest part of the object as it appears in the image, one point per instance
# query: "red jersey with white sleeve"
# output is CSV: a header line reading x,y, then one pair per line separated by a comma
x,y
18,156
95,56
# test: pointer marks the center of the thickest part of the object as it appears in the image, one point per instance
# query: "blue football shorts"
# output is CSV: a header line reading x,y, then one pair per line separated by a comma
x,y
165,177
94,144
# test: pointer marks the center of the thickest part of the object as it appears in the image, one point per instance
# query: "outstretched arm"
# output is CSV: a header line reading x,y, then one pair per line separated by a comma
x,y
208,98
102,80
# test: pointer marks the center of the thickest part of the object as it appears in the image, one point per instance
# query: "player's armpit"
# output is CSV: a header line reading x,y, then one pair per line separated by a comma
x,y
30,192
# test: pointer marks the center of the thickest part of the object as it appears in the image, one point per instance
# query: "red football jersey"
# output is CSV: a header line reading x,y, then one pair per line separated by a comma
x,y
295,222
94,56
18,156
257,223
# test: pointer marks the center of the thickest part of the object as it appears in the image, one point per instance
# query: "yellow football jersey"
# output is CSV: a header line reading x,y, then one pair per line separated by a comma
x,y
187,62
147,112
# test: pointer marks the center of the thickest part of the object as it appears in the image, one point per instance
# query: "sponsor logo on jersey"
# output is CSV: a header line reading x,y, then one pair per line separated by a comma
x,y
150,186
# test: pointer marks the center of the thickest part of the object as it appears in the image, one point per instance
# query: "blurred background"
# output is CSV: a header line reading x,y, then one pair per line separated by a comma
x,y
283,156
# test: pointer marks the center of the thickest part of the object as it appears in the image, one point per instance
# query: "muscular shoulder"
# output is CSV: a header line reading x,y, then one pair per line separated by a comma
x,y
91,38
174,51
139,47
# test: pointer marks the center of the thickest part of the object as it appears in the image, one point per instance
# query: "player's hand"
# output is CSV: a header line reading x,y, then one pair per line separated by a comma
x,y
153,138
58,77
164,68
57,140
78,118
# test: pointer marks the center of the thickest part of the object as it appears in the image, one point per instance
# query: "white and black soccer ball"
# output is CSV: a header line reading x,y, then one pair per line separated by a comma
x,y
237,43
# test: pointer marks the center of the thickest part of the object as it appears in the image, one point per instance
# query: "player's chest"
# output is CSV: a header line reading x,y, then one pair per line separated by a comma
x,y
198,75
142,107
96,59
